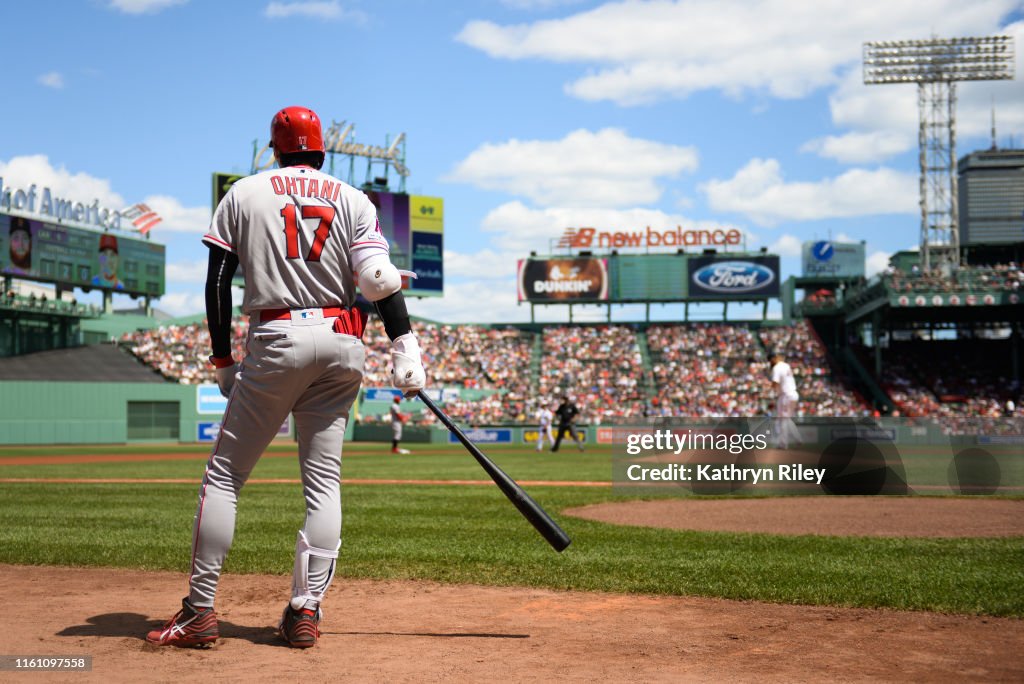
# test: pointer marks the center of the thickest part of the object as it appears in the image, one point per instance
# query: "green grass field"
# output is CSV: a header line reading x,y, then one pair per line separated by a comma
x,y
472,534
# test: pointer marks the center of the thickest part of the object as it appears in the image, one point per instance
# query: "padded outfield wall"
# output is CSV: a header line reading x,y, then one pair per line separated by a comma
x,y
106,413
93,413
129,412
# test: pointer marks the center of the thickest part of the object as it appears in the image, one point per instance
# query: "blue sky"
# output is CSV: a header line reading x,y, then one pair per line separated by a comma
x,y
526,116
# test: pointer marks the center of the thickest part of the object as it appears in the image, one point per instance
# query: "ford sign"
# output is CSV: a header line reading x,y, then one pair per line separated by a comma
x,y
733,277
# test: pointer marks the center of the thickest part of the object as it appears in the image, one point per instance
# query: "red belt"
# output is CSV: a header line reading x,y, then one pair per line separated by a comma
x,y
348,321
286,314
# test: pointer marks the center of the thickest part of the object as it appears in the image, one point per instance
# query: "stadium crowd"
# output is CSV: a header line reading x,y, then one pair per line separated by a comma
x,y
709,369
957,382
695,369
465,357
821,392
600,366
181,352
995,278
731,368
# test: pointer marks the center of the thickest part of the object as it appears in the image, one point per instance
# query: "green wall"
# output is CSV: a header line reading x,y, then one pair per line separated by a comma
x,y
85,412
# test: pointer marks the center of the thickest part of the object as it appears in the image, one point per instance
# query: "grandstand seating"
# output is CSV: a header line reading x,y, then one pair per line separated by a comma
x,y
466,357
998,278
708,369
181,352
616,372
600,366
951,380
822,391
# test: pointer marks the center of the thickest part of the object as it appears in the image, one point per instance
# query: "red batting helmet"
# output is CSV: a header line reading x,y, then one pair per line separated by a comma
x,y
296,129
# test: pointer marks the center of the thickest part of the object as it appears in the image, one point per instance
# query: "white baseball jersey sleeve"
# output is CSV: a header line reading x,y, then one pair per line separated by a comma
x,y
294,231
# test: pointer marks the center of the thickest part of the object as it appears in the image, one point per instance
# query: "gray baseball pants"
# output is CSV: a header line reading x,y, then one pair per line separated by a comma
x,y
313,372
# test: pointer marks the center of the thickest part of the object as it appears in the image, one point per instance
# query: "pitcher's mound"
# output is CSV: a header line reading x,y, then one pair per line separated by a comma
x,y
856,516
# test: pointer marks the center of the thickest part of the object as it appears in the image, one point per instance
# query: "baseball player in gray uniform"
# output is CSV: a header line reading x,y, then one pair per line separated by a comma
x,y
305,240
397,418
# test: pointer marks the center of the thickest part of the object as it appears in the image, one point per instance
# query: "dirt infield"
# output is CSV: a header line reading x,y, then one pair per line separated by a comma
x,y
420,631
870,516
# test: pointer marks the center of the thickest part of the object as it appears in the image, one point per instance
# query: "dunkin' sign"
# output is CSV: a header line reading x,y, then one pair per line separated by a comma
x,y
546,280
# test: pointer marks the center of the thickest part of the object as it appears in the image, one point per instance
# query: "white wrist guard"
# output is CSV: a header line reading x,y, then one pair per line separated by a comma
x,y
408,373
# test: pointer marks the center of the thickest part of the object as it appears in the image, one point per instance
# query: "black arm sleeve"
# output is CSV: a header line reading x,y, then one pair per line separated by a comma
x,y
395,316
219,272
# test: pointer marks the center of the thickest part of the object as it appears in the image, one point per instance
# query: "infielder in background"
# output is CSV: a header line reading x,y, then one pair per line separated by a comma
x,y
397,419
567,412
304,240
544,418
786,403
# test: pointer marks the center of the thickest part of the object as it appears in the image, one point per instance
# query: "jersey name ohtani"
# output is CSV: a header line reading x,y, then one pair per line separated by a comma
x,y
305,187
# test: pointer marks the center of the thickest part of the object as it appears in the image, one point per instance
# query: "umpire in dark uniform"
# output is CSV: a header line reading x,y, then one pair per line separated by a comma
x,y
567,412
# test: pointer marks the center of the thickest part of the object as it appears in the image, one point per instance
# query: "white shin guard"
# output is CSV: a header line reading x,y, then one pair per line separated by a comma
x,y
301,591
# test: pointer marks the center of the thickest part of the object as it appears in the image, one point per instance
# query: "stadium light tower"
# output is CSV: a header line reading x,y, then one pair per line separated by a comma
x,y
936,65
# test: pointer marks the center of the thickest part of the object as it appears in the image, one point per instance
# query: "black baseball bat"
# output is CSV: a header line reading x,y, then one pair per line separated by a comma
x,y
530,509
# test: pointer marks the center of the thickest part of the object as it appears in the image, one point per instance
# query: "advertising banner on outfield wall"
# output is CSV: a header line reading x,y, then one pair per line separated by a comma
x,y
563,280
726,277
531,435
485,436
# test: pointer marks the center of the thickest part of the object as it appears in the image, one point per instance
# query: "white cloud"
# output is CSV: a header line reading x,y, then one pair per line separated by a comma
x,y
605,169
640,52
876,263
538,4
485,264
862,148
21,172
884,118
178,218
187,272
328,9
786,245
143,6
182,303
80,187
52,79
474,301
759,192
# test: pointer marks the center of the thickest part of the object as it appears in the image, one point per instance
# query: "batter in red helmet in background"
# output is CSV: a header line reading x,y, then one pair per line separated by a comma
x,y
305,240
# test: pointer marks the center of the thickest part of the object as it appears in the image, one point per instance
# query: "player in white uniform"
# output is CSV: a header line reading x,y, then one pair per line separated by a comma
x,y
397,418
785,403
304,240
544,418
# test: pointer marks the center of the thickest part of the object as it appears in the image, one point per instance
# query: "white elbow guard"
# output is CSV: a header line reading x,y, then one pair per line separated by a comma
x,y
378,278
